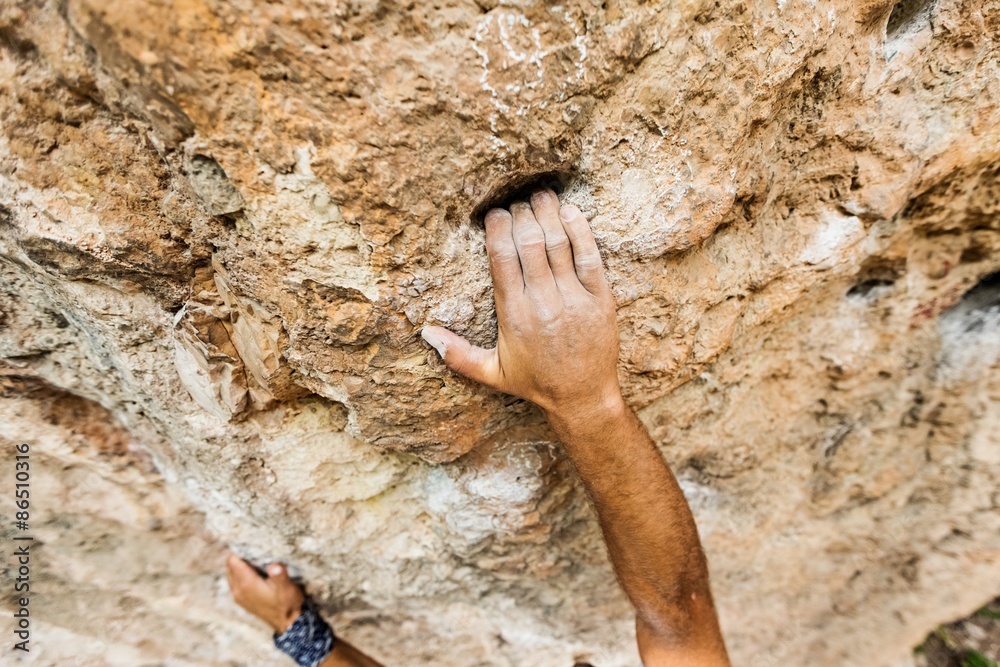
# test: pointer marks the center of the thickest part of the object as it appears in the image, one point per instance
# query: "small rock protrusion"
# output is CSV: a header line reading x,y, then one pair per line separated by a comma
x,y
213,186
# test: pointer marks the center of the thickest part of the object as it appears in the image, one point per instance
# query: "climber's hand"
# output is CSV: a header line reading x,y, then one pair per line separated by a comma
x,y
557,344
276,600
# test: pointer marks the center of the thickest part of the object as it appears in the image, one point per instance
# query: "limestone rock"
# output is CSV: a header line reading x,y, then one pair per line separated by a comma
x,y
222,226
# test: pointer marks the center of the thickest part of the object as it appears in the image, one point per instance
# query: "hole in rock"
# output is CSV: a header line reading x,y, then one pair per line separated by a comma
x,y
876,278
974,253
970,331
869,288
6,217
980,305
908,17
520,188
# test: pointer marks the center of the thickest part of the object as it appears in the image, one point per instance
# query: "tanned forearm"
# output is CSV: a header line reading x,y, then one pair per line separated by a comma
x,y
345,655
649,530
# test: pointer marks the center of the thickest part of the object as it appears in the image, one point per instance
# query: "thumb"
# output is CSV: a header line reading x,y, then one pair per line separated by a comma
x,y
277,572
475,363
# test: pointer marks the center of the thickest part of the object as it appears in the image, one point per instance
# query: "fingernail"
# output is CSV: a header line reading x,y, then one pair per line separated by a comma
x,y
434,340
567,212
274,570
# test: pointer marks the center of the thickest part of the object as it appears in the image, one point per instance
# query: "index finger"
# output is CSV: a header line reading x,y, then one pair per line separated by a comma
x,y
505,266
241,575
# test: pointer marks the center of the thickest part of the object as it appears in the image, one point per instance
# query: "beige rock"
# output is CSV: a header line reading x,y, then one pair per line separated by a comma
x,y
225,223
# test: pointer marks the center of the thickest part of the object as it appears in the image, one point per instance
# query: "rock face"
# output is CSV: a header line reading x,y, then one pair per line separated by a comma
x,y
222,226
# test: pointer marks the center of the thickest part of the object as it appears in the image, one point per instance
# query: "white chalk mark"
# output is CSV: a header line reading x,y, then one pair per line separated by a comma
x,y
508,26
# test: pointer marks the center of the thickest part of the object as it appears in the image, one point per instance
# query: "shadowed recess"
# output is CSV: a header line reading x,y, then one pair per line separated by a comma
x,y
520,189
908,16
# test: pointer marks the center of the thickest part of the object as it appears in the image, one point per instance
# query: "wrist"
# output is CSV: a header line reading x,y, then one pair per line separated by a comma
x,y
597,413
309,639
282,622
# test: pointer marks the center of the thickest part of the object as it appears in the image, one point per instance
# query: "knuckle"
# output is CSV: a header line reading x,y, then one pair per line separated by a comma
x,y
521,330
546,314
462,366
588,261
504,259
502,252
530,241
557,244
550,324
579,229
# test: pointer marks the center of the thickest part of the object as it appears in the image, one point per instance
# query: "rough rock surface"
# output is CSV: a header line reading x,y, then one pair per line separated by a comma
x,y
223,224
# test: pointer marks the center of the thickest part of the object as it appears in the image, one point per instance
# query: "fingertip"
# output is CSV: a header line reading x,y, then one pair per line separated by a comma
x,y
499,222
275,570
568,212
542,194
239,574
436,337
520,205
496,215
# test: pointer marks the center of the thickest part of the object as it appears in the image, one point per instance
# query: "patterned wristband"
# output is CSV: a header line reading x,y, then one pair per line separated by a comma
x,y
309,639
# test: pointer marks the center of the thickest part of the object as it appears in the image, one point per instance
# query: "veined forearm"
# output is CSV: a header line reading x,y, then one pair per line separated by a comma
x,y
650,532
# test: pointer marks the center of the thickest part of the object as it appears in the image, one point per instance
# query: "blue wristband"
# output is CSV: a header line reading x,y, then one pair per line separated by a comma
x,y
309,639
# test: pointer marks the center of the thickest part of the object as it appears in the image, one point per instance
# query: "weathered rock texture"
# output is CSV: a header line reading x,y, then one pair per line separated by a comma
x,y
223,225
